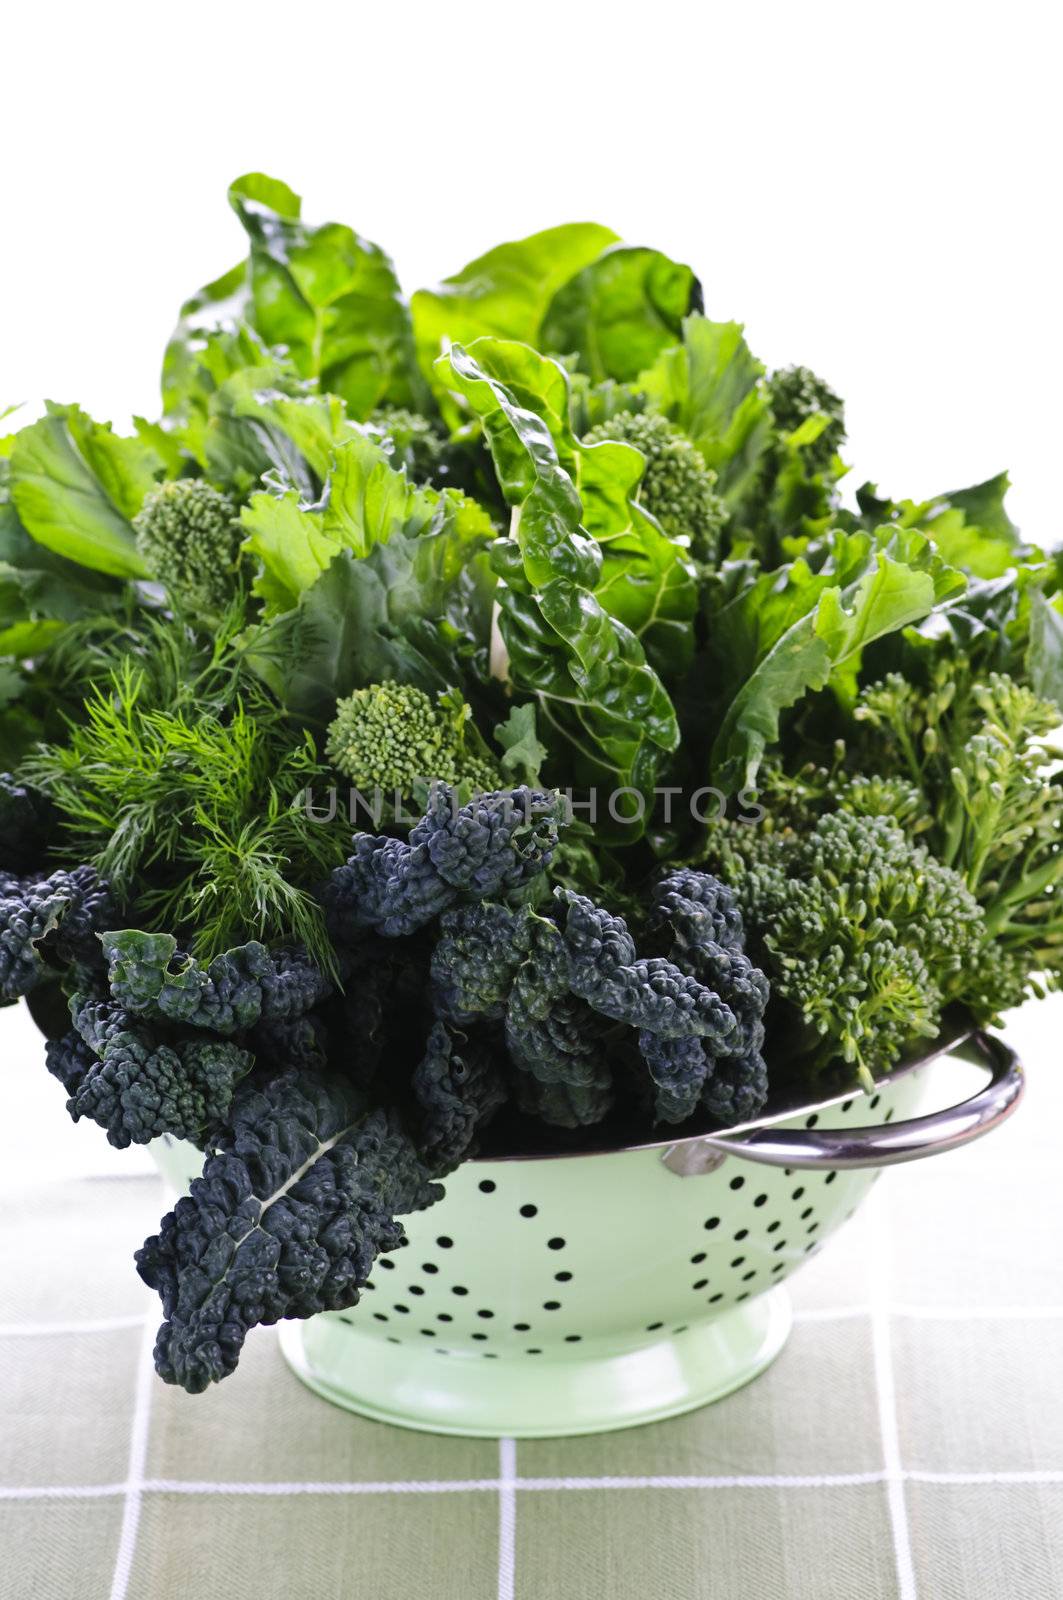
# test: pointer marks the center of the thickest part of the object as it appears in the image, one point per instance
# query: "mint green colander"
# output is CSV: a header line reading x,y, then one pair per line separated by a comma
x,y
573,1294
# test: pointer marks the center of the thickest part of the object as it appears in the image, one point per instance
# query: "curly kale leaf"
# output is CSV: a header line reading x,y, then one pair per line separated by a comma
x,y
737,1089
491,846
137,1087
458,1089
562,1105
149,976
474,961
707,939
552,1035
57,916
644,992
679,1069
298,1196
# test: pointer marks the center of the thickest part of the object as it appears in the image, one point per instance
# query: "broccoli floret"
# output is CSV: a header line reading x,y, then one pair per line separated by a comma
x,y
189,536
300,1192
677,487
796,394
415,443
390,738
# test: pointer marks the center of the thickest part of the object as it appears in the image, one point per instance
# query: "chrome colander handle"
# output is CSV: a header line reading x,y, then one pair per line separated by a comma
x,y
885,1144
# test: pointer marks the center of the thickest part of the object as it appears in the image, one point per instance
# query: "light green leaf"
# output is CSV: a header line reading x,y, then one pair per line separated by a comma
x,y
330,297
710,385
621,311
77,486
901,581
524,754
602,705
505,292
645,580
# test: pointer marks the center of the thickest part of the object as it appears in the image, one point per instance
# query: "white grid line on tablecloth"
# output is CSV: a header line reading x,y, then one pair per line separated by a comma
x,y
138,1455
887,1400
507,1518
429,1486
25,1330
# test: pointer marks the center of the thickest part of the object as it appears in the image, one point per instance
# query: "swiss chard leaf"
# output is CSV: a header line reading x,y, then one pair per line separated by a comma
x,y
77,487
621,311
602,705
646,580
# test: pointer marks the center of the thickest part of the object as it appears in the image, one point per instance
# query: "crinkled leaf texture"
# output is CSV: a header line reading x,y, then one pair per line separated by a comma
x,y
298,1195
234,991
646,580
587,670
138,1087
376,580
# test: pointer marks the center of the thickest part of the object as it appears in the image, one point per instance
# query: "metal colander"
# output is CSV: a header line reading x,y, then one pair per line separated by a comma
x,y
561,1295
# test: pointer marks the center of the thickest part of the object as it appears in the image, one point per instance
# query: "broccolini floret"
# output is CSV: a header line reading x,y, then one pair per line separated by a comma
x,y
796,395
863,931
415,442
189,536
677,487
391,737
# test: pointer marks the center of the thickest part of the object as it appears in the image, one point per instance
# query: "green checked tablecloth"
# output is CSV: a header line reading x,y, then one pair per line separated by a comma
x,y
908,1442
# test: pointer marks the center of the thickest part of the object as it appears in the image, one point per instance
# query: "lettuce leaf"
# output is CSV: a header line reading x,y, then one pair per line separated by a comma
x,y
970,526
328,296
366,502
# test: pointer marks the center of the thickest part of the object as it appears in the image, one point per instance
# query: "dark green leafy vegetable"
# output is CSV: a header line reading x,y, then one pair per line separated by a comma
x,y
298,1197
552,556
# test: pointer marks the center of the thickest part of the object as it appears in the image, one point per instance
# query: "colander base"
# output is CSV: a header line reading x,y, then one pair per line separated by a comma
x,y
552,1397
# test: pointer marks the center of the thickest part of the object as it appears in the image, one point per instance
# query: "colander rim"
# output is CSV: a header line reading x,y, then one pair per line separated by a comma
x,y
957,1028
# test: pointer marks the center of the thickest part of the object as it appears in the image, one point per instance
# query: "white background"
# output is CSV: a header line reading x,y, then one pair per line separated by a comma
x,y
873,189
